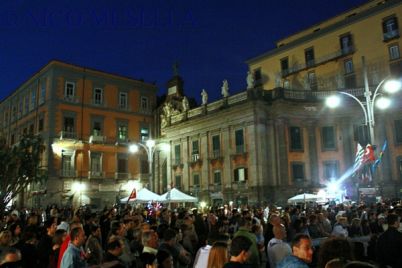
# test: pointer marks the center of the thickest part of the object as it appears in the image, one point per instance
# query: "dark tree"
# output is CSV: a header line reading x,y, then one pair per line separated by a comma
x,y
19,167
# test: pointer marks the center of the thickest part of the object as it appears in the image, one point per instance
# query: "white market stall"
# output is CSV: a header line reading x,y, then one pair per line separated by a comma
x,y
303,198
175,195
143,196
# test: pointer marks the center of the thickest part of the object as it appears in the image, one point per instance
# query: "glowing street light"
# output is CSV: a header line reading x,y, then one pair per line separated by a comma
x,y
391,86
149,147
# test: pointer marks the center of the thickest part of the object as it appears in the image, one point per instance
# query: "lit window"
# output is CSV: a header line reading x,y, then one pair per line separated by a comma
x,y
69,91
123,100
394,52
348,64
98,96
144,103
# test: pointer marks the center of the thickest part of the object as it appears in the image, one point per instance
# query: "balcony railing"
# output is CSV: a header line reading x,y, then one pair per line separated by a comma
x,y
72,99
97,139
216,154
240,185
195,157
216,187
68,173
321,60
69,135
95,174
240,149
122,176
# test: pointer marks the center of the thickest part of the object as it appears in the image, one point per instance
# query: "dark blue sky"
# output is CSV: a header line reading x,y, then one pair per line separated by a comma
x,y
142,39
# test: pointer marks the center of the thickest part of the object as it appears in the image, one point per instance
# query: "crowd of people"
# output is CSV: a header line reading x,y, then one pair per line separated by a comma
x,y
266,236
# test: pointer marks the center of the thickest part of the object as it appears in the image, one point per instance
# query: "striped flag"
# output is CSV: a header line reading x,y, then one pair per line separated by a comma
x,y
358,158
379,158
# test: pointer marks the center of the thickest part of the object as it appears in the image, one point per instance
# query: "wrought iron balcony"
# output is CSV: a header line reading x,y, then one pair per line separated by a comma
x,y
68,173
318,61
95,174
69,135
96,138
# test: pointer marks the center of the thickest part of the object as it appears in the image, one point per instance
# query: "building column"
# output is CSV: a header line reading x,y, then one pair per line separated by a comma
x,y
312,151
205,174
270,159
282,153
227,161
185,176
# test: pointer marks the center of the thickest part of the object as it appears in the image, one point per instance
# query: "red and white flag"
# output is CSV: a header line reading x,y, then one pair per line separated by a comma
x,y
133,194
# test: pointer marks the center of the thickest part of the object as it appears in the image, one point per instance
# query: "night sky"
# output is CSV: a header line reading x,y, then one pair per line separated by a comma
x,y
211,40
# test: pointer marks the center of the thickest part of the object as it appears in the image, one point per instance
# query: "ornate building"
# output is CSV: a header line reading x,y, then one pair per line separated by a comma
x,y
87,119
278,138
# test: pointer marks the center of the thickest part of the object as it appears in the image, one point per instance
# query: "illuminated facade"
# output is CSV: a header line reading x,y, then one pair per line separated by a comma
x,y
278,138
87,118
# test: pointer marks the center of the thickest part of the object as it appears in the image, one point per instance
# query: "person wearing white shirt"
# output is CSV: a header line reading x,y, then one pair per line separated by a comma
x,y
277,248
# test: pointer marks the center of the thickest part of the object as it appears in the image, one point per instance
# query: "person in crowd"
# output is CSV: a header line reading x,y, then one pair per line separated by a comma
x,y
66,242
150,241
200,228
302,253
10,257
114,249
118,230
239,252
375,223
340,227
58,238
28,249
218,256
5,240
257,230
334,247
244,230
355,228
164,259
93,245
313,228
277,248
389,244
46,243
201,258
169,244
324,224
74,256
15,229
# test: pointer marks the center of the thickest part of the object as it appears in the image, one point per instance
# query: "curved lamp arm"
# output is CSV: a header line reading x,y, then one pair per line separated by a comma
x,y
360,103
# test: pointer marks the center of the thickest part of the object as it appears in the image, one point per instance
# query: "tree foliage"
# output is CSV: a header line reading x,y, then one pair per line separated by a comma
x,y
19,167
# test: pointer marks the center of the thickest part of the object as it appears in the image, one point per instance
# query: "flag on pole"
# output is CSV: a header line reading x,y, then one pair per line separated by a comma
x,y
358,158
379,158
133,194
368,156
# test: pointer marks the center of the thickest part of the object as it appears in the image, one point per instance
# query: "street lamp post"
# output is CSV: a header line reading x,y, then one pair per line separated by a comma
x,y
149,147
391,86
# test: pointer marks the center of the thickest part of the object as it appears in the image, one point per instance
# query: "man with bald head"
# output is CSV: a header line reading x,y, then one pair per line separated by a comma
x,y
277,248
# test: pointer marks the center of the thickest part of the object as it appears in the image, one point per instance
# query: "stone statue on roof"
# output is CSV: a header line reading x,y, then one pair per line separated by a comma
x,y
185,104
225,89
204,97
250,80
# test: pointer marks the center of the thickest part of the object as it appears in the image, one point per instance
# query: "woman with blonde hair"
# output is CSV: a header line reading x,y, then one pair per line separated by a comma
x,y
5,240
219,255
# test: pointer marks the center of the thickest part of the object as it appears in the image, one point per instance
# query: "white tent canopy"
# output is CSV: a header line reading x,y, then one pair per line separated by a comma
x,y
143,196
302,198
175,195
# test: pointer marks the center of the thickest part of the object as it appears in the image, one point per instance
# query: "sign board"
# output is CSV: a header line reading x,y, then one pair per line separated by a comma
x,y
368,191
